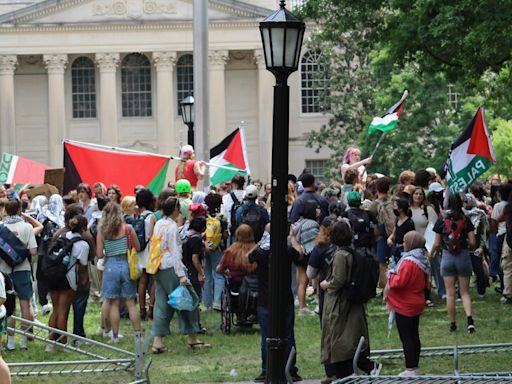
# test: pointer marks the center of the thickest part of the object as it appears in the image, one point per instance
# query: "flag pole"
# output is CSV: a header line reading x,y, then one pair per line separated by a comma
x,y
111,148
211,165
378,144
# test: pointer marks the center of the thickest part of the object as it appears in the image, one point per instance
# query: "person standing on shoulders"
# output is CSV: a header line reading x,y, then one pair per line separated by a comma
x,y
352,160
189,168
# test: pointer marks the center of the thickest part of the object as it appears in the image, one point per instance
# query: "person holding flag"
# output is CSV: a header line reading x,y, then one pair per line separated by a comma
x,y
352,160
189,168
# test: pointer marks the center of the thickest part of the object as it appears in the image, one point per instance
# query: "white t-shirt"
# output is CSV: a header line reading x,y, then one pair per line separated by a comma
x,y
25,233
170,245
143,254
419,219
79,255
227,203
496,213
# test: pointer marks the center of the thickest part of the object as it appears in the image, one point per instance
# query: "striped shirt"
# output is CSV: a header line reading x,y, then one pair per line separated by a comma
x,y
116,247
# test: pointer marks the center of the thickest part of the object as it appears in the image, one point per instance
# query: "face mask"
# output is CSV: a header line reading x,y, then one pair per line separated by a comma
x,y
396,212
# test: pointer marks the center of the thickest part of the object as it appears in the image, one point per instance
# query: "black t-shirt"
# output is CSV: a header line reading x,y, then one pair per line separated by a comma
x,y
193,246
468,227
261,257
320,259
401,230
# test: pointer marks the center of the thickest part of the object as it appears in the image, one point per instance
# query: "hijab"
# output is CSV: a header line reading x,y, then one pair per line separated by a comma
x,y
414,251
55,210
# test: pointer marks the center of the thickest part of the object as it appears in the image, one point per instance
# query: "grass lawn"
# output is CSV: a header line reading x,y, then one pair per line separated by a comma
x,y
241,349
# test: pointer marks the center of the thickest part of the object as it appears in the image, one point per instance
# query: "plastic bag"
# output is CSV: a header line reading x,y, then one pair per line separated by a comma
x,y
183,299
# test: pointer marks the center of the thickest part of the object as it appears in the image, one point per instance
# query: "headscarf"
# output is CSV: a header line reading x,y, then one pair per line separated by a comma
x,y
198,197
55,210
414,244
475,214
37,204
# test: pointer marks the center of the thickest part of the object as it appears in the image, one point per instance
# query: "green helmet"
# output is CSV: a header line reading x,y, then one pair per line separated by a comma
x,y
183,186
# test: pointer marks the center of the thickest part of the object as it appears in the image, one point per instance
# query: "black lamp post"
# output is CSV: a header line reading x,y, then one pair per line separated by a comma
x,y
188,115
281,34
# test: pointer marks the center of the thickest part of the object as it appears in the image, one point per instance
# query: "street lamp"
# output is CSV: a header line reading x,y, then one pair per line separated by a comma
x,y
281,34
188,115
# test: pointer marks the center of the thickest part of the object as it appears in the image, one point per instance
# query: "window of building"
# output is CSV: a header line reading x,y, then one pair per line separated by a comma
x,y
184,78
136,86
83,88
453,97
317,168
313,80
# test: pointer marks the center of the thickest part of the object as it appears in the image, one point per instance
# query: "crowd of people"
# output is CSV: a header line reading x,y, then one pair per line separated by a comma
x,y
423,240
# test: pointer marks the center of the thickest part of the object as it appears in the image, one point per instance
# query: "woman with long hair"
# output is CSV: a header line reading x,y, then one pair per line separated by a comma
x,y
234,262
422,212
114,237
114,194
62,292
352,160
403,225
171,273
456,235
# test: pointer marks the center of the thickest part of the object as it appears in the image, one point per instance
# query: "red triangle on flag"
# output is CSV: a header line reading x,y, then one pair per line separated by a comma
x,y
235,152
479,144
114,167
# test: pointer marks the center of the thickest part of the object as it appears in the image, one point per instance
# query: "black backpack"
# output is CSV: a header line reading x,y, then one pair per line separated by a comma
x,y
364,277
54,265
49,229
236,204
10,295
139,226
252,217
360,223
12,249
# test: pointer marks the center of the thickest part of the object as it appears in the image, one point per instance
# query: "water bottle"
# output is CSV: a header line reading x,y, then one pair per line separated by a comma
x,y
65,260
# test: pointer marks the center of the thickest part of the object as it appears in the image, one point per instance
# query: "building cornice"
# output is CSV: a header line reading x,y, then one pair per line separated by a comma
x,y
149,26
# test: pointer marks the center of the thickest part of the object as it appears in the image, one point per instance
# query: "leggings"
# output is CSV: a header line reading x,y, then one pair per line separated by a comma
x,y
408,329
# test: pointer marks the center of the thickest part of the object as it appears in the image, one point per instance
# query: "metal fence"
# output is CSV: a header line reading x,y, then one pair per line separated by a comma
x,y
476,379
86,355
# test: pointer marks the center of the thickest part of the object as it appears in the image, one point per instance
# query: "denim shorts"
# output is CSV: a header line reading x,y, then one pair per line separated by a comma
x,y
22,281
116,279
456,265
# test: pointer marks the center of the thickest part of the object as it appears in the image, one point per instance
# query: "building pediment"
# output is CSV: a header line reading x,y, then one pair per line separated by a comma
x,y
66,12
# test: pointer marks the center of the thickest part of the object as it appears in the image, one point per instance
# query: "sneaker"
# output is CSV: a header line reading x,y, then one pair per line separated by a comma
x,y
114,340
47,309
10,347
50,348
110,335
261,378
471,328
481,295
317,309
296,302
408,373
296,377
506,300
376,369
306,312
453,327
443,297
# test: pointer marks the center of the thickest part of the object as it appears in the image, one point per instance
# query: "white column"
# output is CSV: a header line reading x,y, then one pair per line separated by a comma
x,y
265,105
7,122
55,65
217,64
165,102
107,63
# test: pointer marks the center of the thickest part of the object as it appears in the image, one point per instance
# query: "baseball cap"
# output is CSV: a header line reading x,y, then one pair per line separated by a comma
x,y
354,197
251,192
435,187
186,149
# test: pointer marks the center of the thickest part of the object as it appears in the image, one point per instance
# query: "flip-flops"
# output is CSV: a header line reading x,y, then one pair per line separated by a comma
x,y
199,345
158,350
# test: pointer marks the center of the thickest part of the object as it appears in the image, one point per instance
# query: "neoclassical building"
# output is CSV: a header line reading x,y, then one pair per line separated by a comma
x,y
113,72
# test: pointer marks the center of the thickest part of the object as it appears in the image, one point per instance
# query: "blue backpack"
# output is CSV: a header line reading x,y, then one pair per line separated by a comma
x,y
12,250
139,226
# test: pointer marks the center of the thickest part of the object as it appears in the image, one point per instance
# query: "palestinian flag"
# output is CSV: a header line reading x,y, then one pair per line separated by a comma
x,y
90,163
20,170
471,154
229,158
389,120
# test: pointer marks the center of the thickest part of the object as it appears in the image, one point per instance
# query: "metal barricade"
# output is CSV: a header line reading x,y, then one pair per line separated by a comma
x,y
91,356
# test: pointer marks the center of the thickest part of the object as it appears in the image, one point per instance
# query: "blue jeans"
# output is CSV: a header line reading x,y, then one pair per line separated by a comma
x,y
290,336
436,272
213,282
79,307
494,262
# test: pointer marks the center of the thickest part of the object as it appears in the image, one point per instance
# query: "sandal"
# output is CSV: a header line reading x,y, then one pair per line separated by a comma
x,y
199,345
158,350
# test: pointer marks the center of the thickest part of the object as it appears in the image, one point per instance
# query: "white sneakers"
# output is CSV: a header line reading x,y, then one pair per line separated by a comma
x,y
376,370
46,309
306,312
408,373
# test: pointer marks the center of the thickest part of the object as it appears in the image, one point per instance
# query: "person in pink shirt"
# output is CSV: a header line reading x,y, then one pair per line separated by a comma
x,y
406,297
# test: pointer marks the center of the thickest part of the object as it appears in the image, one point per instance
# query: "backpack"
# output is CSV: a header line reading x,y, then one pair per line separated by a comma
x,y
360,223
93,229
55,264
213,231
364,277
253,218
236,204
10,295
12,249
49,229
139,225
385,216
452,234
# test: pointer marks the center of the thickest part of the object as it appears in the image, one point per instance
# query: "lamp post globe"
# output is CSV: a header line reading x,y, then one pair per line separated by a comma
x,y
281,34
188,115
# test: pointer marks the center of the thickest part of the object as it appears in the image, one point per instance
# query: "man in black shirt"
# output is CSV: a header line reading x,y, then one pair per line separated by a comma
x,y
309,194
